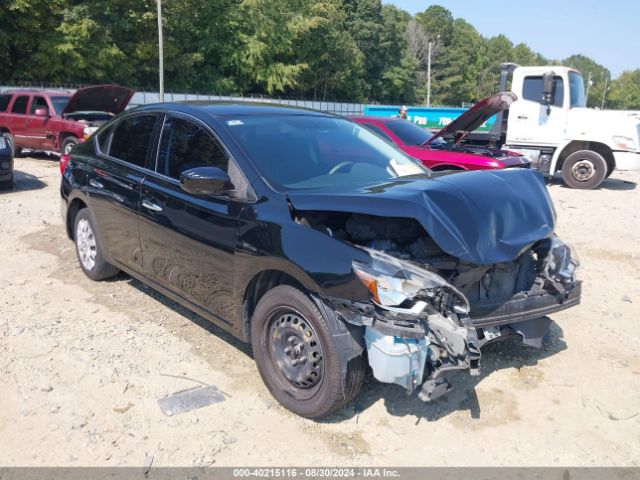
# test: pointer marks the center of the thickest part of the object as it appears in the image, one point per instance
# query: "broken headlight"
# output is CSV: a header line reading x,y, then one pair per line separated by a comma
x,y
560,262
402,286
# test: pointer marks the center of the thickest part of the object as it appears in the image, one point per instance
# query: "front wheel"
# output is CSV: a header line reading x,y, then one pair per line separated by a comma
x,y
89,249
584,169
297,356
68,144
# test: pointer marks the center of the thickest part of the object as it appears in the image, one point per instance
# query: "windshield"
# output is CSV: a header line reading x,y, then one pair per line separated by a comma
x,y
576,89
59,103
305,151
411,134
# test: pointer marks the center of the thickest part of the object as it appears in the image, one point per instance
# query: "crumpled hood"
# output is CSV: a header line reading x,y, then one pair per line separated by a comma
x,y
477,115
482,217
99,98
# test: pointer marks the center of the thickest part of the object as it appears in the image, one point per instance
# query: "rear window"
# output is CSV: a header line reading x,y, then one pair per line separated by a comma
x,y
409,133
20,105
131,139
4,102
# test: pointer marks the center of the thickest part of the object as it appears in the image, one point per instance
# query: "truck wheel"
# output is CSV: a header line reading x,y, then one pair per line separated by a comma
x,y
89,249
68,144
297,356
584,169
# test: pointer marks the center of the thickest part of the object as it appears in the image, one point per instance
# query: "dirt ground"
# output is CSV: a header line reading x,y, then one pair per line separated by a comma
x,y
83,364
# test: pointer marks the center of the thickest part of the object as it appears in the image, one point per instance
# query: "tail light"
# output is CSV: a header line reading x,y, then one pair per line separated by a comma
x,y
64,159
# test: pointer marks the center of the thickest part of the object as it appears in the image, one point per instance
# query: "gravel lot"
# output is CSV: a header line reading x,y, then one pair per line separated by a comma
x,y
83,364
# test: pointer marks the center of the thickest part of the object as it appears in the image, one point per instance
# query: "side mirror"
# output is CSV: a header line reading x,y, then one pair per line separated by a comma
x,y
206,181
41,112
548,89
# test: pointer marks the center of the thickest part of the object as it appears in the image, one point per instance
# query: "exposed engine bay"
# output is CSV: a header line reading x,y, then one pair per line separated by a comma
x,y
431,312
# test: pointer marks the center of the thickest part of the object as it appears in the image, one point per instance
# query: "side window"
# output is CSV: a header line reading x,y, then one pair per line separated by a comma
x,y
102,139
131,139
186,145
38,102
378,131
532,89
4,102
20,104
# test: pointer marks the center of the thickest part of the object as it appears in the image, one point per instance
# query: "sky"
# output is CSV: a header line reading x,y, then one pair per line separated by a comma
x,y
606,31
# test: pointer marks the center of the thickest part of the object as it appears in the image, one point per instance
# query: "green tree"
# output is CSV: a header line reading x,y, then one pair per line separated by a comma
x,y
625,91
593,71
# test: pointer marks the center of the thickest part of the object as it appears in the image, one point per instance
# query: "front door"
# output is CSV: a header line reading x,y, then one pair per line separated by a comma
x,y
37,130
532,123
188,241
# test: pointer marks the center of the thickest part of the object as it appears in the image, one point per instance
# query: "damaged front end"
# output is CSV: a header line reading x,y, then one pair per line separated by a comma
x,y
421,327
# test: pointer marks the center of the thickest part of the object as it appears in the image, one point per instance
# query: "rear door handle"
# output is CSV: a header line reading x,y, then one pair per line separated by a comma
x,y
95,184
151,206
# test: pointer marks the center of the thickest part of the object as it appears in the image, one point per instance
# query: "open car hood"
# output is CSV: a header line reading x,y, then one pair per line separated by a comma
x,y
481,217
477,115
99,98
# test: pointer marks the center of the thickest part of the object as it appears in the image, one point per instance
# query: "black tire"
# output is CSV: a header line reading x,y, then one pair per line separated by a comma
x,y
7,184
98,269
16,151
282,314
584,169
68,144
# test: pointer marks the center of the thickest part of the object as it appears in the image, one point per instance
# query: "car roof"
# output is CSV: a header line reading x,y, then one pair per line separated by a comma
x,y
227,109
374,118
31,91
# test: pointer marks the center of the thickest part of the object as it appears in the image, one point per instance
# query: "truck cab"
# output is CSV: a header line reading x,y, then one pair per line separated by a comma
x,y
549,122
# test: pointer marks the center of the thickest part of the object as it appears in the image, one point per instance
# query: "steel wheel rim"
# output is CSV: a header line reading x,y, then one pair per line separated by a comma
x,y
294,350
68,147
583,170
86,244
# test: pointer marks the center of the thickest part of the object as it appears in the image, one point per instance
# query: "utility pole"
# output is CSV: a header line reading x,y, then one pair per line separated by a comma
x,y
429,52
604,92
429,48
160,51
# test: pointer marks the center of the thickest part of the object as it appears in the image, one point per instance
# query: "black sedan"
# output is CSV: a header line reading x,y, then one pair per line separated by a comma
x,y
6,164
321,244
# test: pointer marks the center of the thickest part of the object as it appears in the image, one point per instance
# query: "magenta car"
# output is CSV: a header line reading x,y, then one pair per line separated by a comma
x,y
436,151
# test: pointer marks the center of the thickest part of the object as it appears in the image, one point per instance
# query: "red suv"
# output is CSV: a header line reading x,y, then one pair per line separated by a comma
x,y
55,120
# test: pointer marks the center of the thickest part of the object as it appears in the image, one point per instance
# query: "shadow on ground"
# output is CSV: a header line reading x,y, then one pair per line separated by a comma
x,y
23,182
609,184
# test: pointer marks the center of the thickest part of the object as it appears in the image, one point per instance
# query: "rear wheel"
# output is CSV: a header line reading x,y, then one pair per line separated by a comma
x,y
297,356
68,144
584,169
89,249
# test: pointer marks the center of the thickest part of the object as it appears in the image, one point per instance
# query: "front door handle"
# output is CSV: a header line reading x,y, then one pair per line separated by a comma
x,y
95,184
151,206
522,117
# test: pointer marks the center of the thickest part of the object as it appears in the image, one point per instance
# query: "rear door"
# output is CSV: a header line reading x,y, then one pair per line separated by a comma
x,y
114,180
188,241
17,121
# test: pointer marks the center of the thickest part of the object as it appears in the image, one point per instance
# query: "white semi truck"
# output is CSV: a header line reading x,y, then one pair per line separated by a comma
x,y
549,122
